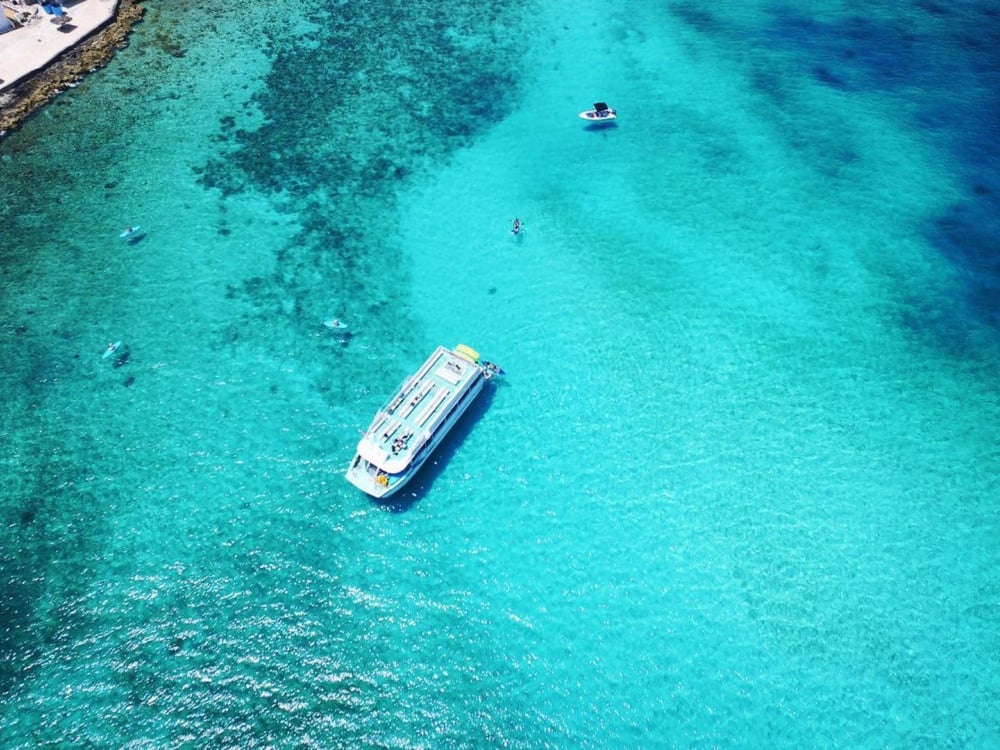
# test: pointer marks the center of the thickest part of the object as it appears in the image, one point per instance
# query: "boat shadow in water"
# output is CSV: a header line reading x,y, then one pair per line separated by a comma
x,y
601,126
438,462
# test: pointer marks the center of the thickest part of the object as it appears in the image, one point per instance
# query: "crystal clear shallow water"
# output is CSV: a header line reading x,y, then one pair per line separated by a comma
x,y
738,490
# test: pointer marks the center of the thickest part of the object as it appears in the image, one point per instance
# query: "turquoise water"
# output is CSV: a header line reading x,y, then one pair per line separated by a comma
x,y
740,487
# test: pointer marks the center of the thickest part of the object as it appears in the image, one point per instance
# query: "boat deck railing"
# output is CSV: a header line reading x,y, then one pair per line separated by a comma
x,y
432,406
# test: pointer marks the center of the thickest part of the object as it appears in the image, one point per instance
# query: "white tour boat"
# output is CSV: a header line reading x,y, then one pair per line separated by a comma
x,y
408,429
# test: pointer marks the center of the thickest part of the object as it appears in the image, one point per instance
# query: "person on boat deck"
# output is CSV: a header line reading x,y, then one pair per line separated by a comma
x,y
517,226
111,346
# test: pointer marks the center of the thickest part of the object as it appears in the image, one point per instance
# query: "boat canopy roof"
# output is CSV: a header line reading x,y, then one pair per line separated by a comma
x,y
601,106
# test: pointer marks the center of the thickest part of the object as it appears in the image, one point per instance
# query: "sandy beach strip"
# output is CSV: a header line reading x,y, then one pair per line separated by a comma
x,y
43,57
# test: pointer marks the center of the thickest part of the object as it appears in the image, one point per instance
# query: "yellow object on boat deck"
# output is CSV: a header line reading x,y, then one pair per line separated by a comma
x,y
468,353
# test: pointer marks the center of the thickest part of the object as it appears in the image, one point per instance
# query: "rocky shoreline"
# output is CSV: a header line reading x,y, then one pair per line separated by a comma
x,y
28,96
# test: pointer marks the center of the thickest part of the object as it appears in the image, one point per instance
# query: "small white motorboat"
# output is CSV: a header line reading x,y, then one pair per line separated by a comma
x,y
600,113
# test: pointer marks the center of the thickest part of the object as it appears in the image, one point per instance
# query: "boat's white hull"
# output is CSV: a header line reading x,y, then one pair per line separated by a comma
x,y
591,115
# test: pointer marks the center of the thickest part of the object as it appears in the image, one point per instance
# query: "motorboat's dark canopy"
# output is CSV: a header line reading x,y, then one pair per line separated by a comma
x,y
601,106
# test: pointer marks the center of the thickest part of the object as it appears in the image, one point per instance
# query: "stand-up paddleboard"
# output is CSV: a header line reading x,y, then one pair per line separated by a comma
x,y
112,348
336,325
129,231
